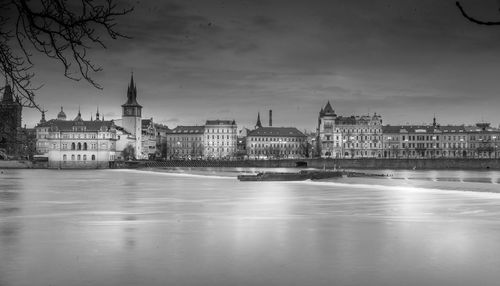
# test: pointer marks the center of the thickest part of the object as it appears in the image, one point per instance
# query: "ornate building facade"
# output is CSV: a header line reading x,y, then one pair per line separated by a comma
x,y
348,137
78,143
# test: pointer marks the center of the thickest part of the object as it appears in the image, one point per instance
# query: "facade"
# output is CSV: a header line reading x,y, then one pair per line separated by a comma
x,y
185,142
435,141
412,141
131,119
348,137
220,139
484,141
161,140
10,124
78,143
276,143
148,139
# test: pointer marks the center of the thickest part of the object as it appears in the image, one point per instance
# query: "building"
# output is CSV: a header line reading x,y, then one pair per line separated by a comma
x,y
348,137
484,141
412,141
161,140
131,120
276,143
78,143
185,142
220,139
10,124
148,138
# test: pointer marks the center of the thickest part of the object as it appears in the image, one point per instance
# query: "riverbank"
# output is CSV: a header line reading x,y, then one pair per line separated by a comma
x,y
365,163
368,163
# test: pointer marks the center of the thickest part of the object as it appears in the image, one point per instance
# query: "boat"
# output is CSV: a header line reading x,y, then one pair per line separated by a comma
x,y
300,176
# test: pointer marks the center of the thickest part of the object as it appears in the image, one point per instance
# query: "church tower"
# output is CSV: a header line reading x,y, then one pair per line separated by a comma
x,y
131,116
10,122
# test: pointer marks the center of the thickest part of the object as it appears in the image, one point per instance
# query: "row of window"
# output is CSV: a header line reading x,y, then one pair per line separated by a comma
x,y
276,139
78,157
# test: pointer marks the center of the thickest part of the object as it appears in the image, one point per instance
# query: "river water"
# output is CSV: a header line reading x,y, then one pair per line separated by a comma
x,y
128,227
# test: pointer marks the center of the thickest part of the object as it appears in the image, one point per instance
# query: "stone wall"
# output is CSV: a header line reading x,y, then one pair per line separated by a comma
x,y
422,164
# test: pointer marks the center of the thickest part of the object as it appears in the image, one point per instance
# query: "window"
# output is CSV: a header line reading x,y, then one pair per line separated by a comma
x,y
84,157
72,157
65,157
84,146
73,146
79,146
93,157
78,157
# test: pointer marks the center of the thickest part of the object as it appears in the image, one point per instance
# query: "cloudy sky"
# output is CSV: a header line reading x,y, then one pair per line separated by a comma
x,y
203,59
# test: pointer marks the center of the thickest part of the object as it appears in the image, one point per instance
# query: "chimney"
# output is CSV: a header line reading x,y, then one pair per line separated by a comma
x,y
270,117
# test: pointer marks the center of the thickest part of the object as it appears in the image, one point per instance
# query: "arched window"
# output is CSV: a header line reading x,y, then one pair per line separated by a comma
x,y
73,146
65,157
93,157
78,158
72,157
84,146
84,157
79,146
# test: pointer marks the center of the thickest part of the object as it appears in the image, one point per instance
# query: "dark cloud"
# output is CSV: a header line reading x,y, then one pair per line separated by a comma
x,y
193,59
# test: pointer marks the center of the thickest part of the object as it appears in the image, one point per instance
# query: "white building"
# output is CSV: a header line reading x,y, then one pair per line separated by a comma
x,y
349,137
220,139
78,143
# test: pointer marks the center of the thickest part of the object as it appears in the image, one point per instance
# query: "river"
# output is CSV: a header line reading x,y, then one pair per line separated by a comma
x,y
131,227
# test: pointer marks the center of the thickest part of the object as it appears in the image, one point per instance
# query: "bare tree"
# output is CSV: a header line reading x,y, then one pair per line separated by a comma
x,y
474,20
63,30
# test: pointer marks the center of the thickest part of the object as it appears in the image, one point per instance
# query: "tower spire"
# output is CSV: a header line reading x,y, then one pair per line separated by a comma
x,y
258,124
97,114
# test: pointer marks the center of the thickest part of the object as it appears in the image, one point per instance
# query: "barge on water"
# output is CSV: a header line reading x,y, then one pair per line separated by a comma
x,y
300,176
303,175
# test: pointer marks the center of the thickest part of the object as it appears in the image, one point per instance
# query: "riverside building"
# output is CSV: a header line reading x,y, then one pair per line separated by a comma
x,y
348,137
185,142
220,139
77,143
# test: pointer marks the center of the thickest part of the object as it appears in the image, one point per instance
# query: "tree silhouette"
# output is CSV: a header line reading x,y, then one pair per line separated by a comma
x,y
59,29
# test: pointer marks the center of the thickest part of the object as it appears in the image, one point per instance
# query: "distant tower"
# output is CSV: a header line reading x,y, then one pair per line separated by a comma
x,y
43,117
10,122
61,115
132,114
270,117
97,114
258,124
434,121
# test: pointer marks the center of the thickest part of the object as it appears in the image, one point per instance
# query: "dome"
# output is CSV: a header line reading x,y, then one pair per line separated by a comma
x,y
61,115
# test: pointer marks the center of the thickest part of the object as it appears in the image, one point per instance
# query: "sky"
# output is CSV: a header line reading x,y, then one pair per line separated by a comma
x,y
202,59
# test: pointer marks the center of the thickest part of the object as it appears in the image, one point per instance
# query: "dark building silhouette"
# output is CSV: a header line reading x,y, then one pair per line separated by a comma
x,y
10,123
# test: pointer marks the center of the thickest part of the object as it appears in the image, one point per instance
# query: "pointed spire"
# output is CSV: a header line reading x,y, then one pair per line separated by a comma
x,y
132,93
79,116
97,114
434,120
258,124
7,94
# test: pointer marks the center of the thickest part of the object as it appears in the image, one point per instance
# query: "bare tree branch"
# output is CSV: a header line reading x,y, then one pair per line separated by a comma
x,y
473,20
63,30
